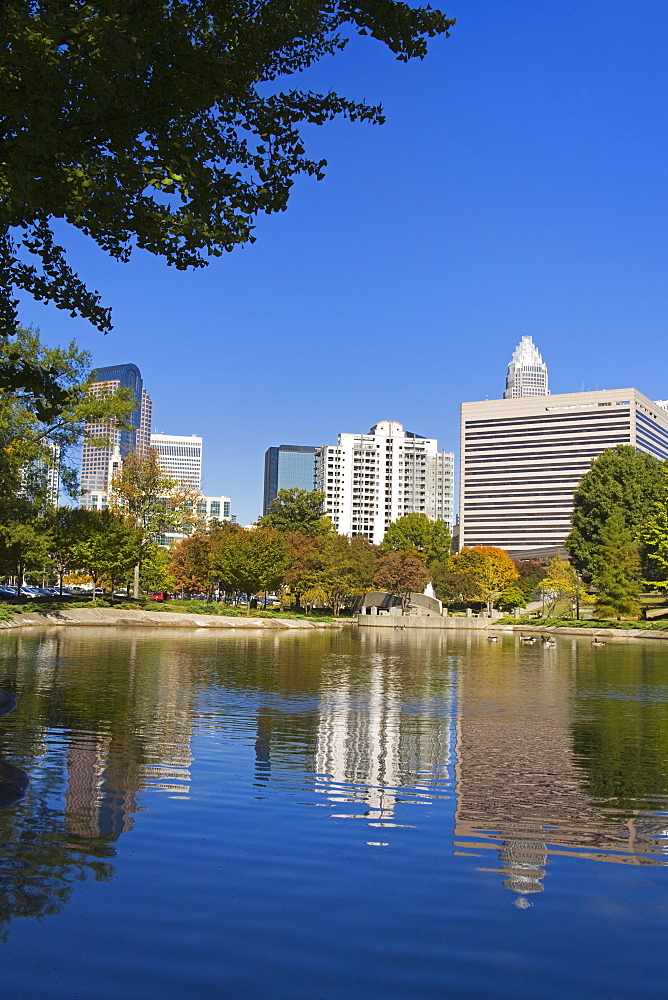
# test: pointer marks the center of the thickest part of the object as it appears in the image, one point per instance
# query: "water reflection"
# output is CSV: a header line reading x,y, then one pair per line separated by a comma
x,y
370,751
91,729
531,748
513,755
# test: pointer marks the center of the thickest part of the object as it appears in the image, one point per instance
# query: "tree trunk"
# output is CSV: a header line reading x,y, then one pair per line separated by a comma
x,y
135,586
61,574
248,600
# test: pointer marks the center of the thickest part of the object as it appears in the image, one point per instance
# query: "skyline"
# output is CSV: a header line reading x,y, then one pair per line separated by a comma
x,y
524,165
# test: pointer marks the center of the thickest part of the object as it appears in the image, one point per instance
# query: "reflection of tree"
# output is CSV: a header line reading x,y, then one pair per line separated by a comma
x,y
107,719
621,735
539,746
38,865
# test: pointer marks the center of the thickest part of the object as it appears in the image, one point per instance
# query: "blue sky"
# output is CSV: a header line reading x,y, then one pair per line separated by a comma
x,y
519,187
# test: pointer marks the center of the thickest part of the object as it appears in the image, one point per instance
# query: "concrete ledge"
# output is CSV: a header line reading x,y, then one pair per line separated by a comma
x,y
424,621
157,619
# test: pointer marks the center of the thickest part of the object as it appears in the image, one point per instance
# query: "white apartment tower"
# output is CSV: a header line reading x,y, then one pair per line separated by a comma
x,y
370,480
180,457
527,372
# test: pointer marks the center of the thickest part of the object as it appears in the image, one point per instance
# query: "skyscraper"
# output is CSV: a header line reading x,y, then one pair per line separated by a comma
x,y
527,372
370,480
180,457
288,467
99,465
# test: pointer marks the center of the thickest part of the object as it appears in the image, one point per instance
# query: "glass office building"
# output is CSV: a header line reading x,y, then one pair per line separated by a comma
x,y
290,466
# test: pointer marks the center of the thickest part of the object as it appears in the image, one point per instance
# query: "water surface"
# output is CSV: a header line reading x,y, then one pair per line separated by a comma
x,y
336,814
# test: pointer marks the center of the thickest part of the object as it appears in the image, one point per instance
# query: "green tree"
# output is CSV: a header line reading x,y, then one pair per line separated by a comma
x,y
35,436
66,527
155,502
251,561
23,547
559,584
162,126
431,539
617,569
511,598
297,511
338,567
402,573
452,585
106,547
155,571
654,539
621,477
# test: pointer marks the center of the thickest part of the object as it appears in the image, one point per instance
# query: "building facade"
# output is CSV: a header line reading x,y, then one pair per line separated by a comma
x,y
527,372
100,465
180,457
209,509
522,460
370,480
288,467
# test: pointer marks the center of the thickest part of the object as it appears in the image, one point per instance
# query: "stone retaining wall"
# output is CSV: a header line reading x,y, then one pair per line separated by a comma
x,y
156,619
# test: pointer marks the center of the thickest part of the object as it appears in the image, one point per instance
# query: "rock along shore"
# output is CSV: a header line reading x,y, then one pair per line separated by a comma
x,y
157,619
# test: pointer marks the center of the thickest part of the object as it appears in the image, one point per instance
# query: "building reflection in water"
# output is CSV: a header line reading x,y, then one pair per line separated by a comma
x,y
521,789
372,750
100,740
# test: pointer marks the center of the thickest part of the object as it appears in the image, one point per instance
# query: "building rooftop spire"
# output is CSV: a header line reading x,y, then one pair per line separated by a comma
x,y
527,372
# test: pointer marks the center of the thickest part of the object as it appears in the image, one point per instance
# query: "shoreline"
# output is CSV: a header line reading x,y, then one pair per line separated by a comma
x,y
112,617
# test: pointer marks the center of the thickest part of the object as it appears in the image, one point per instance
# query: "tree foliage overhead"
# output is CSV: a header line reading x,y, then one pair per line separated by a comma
x,y
159,124
621,477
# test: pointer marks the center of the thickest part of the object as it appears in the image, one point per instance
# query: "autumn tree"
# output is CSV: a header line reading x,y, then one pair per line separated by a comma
x,y
617,569
621,477
192,564
402,573
492,569
162,126
559,584
431,539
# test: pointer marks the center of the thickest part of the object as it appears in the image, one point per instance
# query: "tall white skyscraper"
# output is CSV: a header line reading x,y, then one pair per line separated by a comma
x,y
180,457
527,372
370,480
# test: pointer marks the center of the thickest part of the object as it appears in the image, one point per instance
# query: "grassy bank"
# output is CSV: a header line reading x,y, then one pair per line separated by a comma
x,y
583,623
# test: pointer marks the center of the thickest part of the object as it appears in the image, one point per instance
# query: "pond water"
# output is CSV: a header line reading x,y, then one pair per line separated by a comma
x,y
315,816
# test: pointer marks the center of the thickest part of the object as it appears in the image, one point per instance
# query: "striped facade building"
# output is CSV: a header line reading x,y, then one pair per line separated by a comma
x,y
522,460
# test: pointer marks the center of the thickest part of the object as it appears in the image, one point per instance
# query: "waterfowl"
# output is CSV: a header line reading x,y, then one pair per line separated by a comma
x,y
492,638
597,642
